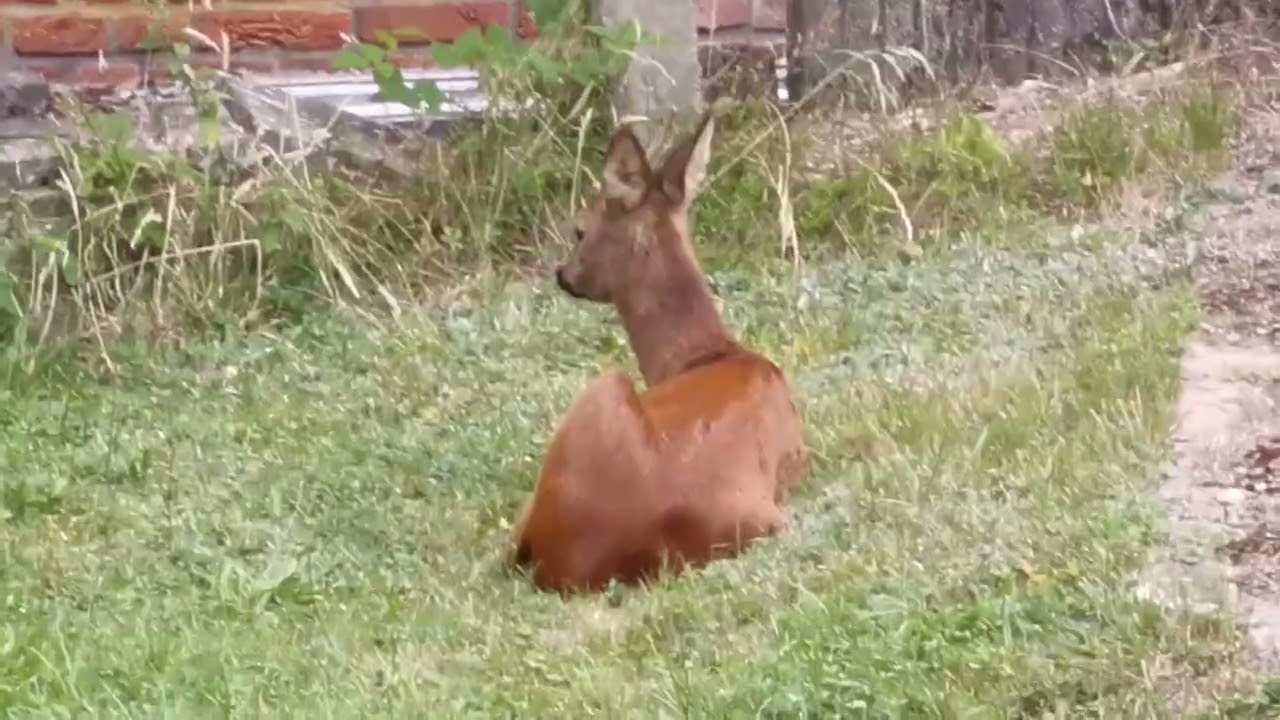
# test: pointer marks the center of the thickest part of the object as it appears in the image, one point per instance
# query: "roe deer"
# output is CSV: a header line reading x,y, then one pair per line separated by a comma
x,y
697,465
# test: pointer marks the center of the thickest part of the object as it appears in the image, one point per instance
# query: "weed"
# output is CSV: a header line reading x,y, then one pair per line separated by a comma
x,y
1211,116
962,176
1099,148
932,183
1093,152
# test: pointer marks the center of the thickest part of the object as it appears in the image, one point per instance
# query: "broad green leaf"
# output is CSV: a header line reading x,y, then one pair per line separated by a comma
x,y
548,13
429,93
499,40
111,127
9,304
470,46
550,70
445,55
357,57
294,219
48,244
71,269
271,235
210,130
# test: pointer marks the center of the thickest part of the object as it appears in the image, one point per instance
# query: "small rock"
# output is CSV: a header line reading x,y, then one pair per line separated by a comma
x,y
909,251
1226,188
1232,496
24,94
1202,588
1263,631
1271,181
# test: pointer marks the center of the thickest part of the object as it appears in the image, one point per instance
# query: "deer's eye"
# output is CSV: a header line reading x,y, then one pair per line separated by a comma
x,y
577,233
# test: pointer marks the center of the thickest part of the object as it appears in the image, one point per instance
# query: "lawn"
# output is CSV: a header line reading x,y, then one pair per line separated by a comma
x,y
308,522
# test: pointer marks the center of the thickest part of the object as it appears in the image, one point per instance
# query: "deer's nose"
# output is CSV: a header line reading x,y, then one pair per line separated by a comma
x,y
565,285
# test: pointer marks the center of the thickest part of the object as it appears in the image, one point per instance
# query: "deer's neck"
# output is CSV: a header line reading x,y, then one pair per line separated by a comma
x,y
672,324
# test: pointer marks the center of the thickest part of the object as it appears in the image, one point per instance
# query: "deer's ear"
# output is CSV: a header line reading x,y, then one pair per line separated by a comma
x,y
626,170
686,167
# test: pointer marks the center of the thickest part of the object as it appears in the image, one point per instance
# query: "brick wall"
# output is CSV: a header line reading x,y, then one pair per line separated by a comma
x,y
63,39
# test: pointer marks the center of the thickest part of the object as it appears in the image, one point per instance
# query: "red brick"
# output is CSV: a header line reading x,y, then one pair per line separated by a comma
x,y
722,14
114,74
717,14
770,15
438,22
134,32
55,70
290,29
526,26
69,34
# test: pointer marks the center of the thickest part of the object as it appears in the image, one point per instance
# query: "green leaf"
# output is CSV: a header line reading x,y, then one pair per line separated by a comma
x,y
71,269
445,55
294,219
391,82
47,245
111,127
357,57
548,13
579,74
271,235
548,69
429,93
210,129
499,41
470,46
388,39
397,93
8,298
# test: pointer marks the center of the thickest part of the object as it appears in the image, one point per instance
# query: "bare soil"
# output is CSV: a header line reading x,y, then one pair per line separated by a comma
x,y
1223,492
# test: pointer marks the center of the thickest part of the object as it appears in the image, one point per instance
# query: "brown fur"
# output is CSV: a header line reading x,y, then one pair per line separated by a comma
x,y
697,465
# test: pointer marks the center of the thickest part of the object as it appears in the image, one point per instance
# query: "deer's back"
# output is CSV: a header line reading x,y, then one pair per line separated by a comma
x,y
724,427
693,463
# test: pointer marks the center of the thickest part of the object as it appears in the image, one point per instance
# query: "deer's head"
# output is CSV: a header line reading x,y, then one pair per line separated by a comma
x,y
637,226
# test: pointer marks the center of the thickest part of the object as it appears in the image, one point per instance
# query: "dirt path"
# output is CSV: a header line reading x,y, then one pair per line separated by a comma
x,y
1223,490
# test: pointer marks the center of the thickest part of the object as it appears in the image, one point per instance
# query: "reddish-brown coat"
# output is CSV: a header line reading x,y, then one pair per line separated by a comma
x,y
696,466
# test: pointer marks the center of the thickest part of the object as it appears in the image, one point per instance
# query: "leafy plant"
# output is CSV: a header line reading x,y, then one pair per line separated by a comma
x,y
567,53
391,82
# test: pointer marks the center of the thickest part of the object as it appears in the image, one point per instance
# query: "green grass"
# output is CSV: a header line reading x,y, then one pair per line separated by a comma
x,y
290,508
1264,703
308,523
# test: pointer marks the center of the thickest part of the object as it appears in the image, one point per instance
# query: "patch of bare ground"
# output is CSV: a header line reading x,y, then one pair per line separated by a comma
x,y
1222,492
